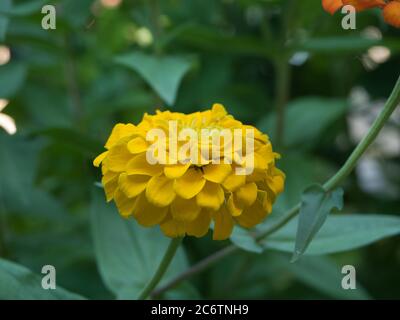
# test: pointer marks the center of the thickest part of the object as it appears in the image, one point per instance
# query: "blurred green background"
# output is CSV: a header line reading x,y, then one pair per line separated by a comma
x,y
109,61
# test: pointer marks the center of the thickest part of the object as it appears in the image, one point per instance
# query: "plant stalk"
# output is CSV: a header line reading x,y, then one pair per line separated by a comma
x,y
162,268
344,171
283,75
157,28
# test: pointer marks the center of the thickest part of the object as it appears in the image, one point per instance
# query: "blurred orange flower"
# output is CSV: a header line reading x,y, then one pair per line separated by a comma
x,y
332,6
391,13
361,5
391,9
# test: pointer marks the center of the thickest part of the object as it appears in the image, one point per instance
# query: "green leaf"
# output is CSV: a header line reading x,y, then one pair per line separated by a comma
x,y
12,77
323,275
40,104
17,282
76,13
300,114
316,204
163,74
301,170
339,233
18,166
246,276
5,5
34,203
128,254
78,141
184,291
245,240
116,91
24,9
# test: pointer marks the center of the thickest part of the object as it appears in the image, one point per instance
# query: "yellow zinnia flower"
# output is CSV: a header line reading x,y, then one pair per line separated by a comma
x,y
189,188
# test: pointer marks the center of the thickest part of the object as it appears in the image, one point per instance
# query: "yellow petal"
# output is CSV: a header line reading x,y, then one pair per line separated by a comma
x,y
216,172
230,122
140,165
204,153
223,224
233,207
260,162
199,227
252,216
120,131
108,176
184,209
211,196
104,170
137,145
172,228
218,110
176,171
264,156
147,214
124,204
234,181
256,175
99,158
133,185
190,184
267,200
277,182
260,159
247,194
160,191
110,187
118,157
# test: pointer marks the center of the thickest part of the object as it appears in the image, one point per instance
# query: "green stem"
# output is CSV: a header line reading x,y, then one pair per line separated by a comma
x,y
3,226
197,268
280,223
162,268
390,106
283,75
283,72
157,29
72,81
351,162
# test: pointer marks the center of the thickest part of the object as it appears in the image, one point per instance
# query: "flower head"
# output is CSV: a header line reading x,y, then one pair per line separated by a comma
x,y
183,171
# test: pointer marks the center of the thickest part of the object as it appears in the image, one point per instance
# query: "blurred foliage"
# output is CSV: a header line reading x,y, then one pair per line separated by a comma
x,y
102,65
